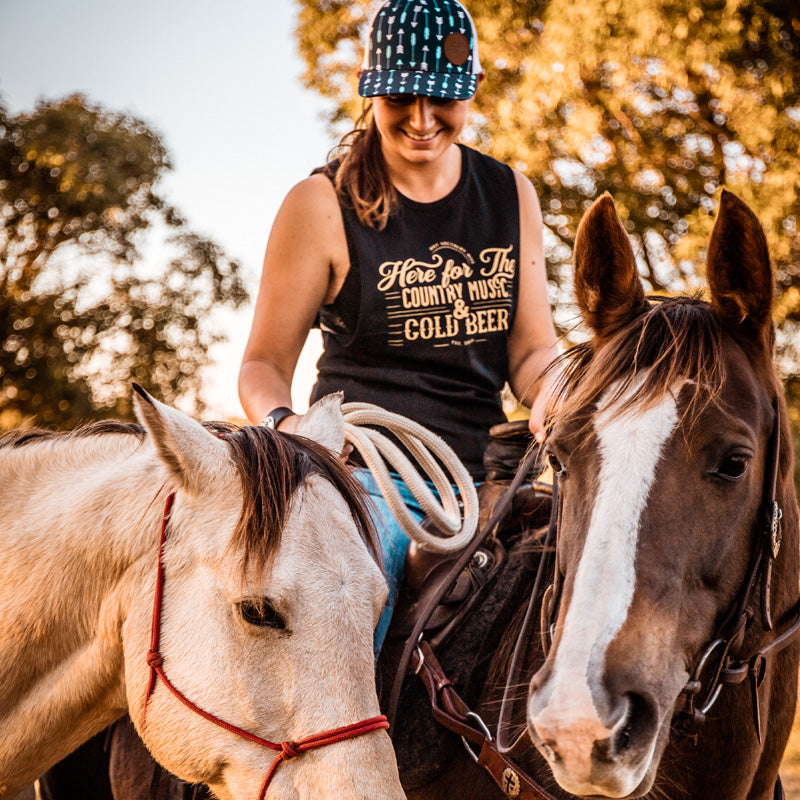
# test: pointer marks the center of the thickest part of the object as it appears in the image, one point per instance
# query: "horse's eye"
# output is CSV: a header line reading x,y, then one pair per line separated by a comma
x,y
557,467
733,466
261,612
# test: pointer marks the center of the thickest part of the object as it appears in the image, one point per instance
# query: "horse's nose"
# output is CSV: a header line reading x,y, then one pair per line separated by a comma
x,y
588,747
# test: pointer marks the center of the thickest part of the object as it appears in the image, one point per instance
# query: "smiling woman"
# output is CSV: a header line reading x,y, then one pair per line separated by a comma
x,y
420,259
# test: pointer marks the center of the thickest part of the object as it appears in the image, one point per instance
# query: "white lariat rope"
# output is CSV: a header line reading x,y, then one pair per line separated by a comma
x,y
376,449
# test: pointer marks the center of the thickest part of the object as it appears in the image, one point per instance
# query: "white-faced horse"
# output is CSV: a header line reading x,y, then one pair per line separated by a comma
x,y
677,587
242,643
665,665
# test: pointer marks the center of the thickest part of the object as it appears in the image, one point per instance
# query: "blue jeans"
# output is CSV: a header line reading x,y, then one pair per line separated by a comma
x,y
394,543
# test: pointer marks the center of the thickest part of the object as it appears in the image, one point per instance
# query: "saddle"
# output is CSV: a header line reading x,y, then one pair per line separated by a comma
x,y
430,575
462,603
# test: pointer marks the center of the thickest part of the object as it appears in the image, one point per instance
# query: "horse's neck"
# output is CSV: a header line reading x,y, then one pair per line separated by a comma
x,y
74,528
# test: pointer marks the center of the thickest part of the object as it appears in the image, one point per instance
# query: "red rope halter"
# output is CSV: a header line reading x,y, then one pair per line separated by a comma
x,y
286,749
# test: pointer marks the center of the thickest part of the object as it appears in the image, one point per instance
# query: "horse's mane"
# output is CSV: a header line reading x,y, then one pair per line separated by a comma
x,y
18,438
678,341
271,468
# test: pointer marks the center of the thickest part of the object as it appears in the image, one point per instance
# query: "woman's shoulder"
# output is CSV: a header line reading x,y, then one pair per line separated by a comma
x,y
312,194
329,169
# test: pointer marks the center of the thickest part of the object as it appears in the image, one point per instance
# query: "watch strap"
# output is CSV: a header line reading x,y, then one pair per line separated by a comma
x,y
276,416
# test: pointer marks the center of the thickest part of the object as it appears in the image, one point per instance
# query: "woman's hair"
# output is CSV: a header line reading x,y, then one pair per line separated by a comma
x,y
362,179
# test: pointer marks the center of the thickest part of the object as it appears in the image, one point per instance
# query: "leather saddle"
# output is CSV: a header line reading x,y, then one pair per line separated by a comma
x,y
430,574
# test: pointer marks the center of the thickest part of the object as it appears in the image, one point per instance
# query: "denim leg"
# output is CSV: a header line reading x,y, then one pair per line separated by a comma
x,y
394,543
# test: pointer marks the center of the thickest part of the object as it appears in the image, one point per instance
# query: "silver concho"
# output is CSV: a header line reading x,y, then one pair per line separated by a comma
x,y
511,784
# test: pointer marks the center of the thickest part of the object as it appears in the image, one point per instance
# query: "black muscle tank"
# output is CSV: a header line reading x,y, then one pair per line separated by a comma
x,y
421,324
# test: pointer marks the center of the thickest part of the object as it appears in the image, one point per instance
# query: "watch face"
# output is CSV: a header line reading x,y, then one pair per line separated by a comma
x,y
270,422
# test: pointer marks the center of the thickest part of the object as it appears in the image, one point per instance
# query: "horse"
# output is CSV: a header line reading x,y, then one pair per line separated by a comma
x,y
218,584
662,659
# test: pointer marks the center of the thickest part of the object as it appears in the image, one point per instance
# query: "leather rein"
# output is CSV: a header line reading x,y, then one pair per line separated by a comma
x,y
497,754
285,749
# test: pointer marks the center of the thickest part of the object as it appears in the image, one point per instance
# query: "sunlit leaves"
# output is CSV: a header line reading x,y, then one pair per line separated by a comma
x,y
80,317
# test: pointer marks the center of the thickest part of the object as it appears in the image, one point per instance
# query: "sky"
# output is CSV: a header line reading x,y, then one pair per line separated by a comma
x,y
220,82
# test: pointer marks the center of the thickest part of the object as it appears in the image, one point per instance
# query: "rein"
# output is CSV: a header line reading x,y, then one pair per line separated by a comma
x,y
286,749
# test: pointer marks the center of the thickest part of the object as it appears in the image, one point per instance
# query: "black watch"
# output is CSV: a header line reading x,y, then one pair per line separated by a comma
x,y
276,416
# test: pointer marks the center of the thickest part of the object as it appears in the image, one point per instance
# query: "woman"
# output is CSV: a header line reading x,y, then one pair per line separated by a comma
x,y
421,258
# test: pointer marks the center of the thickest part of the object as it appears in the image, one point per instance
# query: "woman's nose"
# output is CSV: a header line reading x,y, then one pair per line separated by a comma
x,y
422,114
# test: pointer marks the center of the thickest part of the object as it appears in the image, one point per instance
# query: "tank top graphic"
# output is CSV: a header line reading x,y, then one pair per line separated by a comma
x,y
421,324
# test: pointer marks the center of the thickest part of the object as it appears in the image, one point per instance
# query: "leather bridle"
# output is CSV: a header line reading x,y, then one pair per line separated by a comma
x,y
286,749
498,754
717,659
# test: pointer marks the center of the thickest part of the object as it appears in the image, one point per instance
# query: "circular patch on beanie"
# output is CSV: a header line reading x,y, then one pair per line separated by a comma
x,y
456,48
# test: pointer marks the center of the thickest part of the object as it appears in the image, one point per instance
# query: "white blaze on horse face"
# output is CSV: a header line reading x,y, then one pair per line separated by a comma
x,y
569,720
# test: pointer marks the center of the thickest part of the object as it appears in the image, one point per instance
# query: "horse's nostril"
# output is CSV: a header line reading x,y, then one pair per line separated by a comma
x,y
624,738
638,723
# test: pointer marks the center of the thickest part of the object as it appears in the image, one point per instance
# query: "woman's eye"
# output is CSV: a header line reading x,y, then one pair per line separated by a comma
x,y
734,466
262,613
400,99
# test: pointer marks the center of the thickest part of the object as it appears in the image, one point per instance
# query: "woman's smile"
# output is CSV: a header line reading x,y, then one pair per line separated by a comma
x,y
415,127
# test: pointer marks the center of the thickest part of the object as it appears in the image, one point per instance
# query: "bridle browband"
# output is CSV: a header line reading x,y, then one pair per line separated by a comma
x,y
286,749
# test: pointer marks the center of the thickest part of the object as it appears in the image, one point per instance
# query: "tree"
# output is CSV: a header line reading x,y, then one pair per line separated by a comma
x,y
80,317
660,102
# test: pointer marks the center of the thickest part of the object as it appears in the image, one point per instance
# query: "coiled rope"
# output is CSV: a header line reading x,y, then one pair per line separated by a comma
x,y
457,522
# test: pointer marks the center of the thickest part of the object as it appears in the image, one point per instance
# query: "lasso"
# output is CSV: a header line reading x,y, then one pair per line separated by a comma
x,y
459,523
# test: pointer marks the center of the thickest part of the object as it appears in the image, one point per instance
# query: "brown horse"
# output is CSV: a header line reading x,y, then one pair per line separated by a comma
x,y
670,628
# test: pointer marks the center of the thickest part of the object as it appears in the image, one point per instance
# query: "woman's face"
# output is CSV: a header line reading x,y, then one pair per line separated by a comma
x,y
418,129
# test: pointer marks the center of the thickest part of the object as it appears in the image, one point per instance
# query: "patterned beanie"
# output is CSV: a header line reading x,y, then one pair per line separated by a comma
x,y
425,47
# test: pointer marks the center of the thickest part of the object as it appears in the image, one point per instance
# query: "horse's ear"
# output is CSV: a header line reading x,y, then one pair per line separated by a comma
x,y
324,422
739,272
187,449
606,281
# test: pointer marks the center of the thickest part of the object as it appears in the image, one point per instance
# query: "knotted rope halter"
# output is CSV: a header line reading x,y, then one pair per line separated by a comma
x,y
285,749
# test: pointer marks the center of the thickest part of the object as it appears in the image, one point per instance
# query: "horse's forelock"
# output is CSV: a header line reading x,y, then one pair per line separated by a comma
x,y
677,342
272,467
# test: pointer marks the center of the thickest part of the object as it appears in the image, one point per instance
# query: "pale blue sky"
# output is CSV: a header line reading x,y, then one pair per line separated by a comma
x,y
219,81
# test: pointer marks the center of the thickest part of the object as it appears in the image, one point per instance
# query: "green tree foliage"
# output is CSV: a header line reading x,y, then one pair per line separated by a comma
x,y
80,317
660,102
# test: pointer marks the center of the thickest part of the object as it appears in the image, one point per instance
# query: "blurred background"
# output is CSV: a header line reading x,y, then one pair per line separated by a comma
x,y
144,153
192,122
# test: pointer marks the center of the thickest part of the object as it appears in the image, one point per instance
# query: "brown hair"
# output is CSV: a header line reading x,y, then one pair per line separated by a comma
x,y
362,180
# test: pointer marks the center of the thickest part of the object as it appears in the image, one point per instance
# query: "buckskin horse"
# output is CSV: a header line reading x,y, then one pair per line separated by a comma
x,y
660,653
222,636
